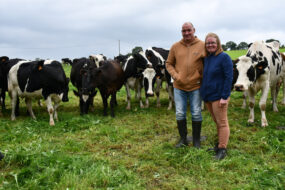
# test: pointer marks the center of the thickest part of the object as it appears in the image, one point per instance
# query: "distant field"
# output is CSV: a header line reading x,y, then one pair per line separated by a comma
x,y
135,150
237,53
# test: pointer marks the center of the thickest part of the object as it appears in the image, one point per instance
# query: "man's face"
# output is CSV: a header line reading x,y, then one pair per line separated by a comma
x,y
188,33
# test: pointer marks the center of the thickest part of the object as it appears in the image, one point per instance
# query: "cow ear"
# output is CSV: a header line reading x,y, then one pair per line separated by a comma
x,y
3,59
261,65
40,64
249,45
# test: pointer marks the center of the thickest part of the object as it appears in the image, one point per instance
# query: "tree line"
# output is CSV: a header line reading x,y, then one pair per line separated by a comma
x,y
230,45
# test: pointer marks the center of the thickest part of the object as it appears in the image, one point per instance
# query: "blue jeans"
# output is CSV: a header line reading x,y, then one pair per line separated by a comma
x,y
181,98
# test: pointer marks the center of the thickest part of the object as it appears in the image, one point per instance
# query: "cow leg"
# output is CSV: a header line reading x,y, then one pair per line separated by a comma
x,y
262,105
56,105
244,100
40,103
274,92
146,102
139,88
251,106
3,95
170,97
112,103
14,99
29,106
283,100
128,97
157,91
105,103
50,110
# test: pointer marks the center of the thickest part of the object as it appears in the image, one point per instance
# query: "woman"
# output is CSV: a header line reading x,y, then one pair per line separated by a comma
x,y
216,89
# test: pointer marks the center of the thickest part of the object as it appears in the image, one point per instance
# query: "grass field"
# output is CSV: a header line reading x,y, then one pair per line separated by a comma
x,y
135,150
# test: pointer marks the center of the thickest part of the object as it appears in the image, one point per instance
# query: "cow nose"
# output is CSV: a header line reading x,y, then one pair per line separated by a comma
x,y
239,87
150,94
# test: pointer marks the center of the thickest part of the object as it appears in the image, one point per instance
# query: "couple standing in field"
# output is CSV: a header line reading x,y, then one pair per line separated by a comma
x,y
201,71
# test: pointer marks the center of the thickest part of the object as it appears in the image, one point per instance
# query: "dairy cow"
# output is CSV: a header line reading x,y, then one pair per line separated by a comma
x,y
158,56
66,61
3,83
5,67
149,78
108,78
86,99
259,70
133,77
38,79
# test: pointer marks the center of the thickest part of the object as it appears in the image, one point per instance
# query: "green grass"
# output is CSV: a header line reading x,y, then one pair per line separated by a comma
x,y
135,150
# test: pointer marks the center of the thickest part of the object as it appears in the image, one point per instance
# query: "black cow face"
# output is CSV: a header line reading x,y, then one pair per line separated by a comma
x,y
140,60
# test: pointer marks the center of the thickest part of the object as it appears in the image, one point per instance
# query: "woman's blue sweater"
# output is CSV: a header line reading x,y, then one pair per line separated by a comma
x,y
217,77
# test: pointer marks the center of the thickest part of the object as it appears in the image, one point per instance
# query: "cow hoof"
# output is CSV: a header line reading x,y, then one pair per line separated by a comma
x,y
158,105
128,108
51,123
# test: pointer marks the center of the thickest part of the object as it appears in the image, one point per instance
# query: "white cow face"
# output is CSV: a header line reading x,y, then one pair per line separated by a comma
x,y
246,73
149,80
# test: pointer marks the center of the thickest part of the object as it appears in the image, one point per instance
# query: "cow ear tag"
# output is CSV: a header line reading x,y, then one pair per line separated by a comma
x,y
40,68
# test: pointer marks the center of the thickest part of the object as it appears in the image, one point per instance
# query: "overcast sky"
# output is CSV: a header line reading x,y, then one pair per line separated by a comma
x,y
56,29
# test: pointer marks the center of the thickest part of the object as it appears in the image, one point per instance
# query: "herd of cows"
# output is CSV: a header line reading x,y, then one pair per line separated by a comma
x,y
262,68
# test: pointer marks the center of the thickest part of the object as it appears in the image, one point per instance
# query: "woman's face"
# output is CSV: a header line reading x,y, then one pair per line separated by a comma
x,y
211,44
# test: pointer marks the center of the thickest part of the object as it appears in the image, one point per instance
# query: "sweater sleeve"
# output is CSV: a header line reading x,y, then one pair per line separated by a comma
x,y
228,76
170,63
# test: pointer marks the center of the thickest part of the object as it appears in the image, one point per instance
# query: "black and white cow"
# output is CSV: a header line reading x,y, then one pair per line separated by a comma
x,y
259,70
98,59
158,56
38,79
108,78
66,61
3,81
149,78
5,67
85,100
133,77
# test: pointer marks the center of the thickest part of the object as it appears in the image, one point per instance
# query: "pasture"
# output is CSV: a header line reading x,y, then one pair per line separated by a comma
x,y
135,150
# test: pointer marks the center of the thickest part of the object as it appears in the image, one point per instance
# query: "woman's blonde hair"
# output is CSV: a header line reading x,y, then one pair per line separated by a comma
x,y
219,45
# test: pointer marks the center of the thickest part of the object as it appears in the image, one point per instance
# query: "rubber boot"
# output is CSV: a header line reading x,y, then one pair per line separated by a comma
x,y
221,153
196,132
182,129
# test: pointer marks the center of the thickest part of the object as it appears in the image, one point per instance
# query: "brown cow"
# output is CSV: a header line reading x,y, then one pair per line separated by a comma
x,y
108,78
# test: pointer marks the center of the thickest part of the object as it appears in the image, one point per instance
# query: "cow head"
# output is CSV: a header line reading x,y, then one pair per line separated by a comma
x,y
149,77
98,59
247,70
141,61
156,60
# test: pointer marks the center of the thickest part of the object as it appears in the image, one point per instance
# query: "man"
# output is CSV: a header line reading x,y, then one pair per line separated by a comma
x,y
185,65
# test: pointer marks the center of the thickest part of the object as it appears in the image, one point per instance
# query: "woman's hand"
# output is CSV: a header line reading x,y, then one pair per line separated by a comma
x,y
223,102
